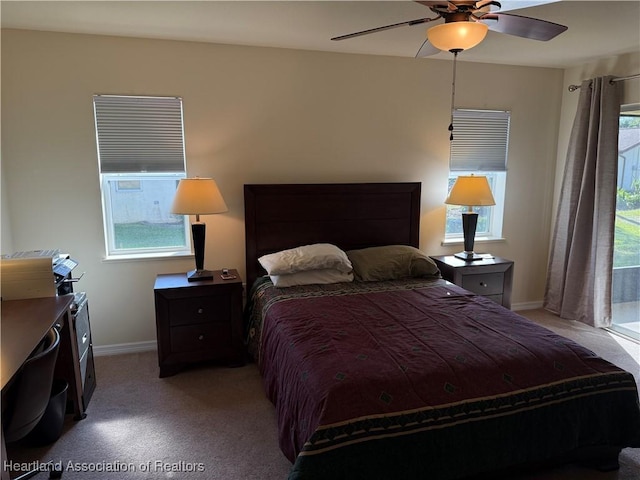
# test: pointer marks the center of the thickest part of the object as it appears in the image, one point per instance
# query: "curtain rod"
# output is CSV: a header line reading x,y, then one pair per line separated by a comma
x,y
573,88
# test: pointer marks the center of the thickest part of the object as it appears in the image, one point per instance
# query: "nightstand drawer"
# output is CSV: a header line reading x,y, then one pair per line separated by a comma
x,y
200,337
484,284
495,298
194,310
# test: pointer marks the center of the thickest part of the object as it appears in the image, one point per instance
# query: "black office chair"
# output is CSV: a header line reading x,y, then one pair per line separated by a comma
x,y
29,393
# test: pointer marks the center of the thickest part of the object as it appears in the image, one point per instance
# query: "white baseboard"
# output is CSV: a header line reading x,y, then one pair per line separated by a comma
x,y
526,306
122,348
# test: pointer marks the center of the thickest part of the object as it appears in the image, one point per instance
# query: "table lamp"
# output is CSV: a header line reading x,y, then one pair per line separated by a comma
x,y
470,191
198,196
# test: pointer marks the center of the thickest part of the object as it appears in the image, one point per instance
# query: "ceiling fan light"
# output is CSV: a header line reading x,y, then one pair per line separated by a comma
x,y
457,35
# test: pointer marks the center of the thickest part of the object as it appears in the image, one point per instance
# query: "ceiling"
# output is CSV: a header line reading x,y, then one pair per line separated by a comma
x,y
596,28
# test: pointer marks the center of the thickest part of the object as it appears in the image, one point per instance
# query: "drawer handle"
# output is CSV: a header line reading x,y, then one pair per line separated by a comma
x,y
200,311
201,337
483,284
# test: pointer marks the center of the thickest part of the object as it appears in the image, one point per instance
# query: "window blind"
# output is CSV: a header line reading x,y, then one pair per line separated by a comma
x,y
139,134
480,139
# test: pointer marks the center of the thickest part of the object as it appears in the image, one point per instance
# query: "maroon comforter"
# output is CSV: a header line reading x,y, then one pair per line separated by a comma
x,y
413,370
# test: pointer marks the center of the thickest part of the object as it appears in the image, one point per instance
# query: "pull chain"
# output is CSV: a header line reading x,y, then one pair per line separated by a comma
x,y
453,91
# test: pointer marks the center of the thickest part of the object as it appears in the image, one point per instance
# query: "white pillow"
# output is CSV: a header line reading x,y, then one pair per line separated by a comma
x,y
311,277
318,256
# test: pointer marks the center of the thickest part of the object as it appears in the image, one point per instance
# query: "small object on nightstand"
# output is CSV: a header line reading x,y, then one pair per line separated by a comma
x,y
225,275
198,321
491,277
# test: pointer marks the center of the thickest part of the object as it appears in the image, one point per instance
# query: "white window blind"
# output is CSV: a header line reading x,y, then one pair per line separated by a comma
x,y
480,139
139,134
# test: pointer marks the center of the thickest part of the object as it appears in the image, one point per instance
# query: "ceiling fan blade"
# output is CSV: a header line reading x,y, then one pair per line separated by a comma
x,y
519,26
426,49
386,27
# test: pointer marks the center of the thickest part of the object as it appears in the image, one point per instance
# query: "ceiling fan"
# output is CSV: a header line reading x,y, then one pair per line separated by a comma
x,y
466,23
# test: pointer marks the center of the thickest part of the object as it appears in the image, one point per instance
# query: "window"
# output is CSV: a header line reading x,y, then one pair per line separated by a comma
x,y
625,287
141,160
479,146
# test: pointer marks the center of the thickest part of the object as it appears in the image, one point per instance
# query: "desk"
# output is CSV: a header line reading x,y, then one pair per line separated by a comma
x,y
24,325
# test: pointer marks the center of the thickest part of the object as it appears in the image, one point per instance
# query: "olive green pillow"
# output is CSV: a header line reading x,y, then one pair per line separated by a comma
x,y
391,262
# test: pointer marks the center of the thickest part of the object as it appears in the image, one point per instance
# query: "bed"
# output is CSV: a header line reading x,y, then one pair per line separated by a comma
x,y
412,377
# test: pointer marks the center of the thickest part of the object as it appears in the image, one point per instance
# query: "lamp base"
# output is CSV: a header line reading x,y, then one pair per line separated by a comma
x,y
197,275
469,256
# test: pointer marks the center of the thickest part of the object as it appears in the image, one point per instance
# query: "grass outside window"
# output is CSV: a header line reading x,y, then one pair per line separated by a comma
x,y
627,238
149,235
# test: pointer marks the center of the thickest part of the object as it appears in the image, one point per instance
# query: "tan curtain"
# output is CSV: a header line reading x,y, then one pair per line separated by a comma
x,y
580,265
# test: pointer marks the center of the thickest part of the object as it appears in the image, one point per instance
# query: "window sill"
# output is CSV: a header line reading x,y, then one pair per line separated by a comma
x,y
460,241
147,256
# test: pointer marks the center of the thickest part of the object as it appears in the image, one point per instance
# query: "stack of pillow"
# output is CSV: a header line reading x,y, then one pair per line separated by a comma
x,y
319,263
324,263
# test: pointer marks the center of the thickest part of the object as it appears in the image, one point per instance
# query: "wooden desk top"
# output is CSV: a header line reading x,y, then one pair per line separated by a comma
x,y
24,323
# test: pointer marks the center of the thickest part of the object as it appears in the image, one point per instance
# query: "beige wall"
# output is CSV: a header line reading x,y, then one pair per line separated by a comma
x,y
6,244
256,115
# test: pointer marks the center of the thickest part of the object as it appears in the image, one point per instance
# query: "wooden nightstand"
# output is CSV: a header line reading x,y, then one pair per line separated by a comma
x,y
491,277
197,321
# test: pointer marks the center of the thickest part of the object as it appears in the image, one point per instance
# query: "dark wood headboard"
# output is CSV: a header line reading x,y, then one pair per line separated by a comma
x,y
349,215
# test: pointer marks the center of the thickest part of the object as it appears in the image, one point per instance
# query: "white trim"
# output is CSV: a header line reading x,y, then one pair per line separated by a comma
x,y
123,348
460,241
148,256
527,305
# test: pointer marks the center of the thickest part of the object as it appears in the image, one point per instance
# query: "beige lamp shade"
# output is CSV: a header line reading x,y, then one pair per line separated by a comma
x,y
470,190
457,35
198,196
